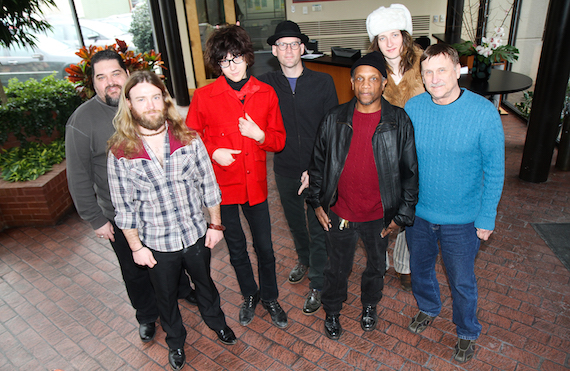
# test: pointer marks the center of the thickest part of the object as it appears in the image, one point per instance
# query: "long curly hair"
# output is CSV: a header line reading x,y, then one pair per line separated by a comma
x,y
408,56
231,39
126,138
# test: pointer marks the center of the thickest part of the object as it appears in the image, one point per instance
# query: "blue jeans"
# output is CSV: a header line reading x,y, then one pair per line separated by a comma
x,y
459,246
257,217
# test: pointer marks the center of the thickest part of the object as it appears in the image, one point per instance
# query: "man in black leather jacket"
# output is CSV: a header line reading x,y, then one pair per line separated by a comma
x,y
363,184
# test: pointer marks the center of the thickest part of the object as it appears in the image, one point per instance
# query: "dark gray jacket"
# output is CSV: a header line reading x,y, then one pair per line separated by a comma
x,y
302,113
394,153
86,135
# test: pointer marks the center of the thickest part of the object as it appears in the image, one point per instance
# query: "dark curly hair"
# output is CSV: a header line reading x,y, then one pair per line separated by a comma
x,y
232,40
408,57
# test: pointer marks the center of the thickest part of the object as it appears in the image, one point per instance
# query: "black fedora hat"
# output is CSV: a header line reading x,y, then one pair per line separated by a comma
x,y
287,29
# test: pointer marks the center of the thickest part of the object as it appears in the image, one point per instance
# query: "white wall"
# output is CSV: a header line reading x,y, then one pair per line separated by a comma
x,y
359,9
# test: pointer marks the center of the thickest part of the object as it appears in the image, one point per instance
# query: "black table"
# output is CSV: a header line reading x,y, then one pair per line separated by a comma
x,y
500,82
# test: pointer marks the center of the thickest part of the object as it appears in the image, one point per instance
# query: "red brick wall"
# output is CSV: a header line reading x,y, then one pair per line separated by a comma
x,y
37,202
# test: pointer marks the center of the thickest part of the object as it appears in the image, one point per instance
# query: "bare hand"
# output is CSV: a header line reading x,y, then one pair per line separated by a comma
x,y
106,231
483,234
304,182
249,129
224,156
392,228
144,257
323,218
213,236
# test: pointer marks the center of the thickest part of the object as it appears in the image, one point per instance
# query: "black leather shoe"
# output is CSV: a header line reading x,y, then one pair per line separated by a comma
x,y
333,329
278,315
191,299
147,331
227,336
298,273
369,318
176,358
313,302
247,310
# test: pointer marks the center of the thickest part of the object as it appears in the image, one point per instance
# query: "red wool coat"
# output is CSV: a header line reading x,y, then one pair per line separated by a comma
x,y
214,113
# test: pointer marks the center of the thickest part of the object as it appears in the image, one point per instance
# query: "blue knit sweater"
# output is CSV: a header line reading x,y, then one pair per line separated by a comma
x,y
461,159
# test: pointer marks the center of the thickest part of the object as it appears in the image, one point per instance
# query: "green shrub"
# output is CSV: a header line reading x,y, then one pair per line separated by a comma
x,y
141,28
34,106
19,164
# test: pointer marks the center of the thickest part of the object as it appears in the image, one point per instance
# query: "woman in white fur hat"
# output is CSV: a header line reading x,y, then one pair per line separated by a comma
x,y
390,31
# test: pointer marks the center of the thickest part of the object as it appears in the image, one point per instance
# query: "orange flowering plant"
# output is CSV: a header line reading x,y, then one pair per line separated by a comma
x,y
81,74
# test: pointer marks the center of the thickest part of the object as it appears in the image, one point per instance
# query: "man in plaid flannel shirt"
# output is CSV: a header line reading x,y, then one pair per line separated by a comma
x,y
160,177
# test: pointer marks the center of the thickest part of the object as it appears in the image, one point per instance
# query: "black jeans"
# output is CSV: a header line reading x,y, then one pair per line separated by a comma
x,y
165,277
341,245
257,217
137,280
309,243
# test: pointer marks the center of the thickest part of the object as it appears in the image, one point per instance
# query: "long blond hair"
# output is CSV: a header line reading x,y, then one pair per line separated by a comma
x,y
126,138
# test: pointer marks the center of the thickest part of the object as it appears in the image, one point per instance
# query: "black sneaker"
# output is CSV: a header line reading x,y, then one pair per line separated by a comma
x,y
247,310
278,315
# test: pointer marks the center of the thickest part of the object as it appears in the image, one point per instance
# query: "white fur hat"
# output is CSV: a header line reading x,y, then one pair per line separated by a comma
x,y
395,17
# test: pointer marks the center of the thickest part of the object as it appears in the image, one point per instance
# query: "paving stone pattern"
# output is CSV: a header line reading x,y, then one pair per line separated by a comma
x,y
63,304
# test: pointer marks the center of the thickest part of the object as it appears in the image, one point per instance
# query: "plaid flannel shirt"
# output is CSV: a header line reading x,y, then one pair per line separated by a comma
x,y
164,203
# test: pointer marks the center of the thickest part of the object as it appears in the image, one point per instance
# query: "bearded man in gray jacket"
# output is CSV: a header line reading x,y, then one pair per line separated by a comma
x,y
86,136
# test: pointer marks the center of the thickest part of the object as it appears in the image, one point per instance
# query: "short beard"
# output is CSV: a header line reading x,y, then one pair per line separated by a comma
x,y
114,102
149,124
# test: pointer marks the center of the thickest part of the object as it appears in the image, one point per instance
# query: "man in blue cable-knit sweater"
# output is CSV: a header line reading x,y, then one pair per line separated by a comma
x,y
461,162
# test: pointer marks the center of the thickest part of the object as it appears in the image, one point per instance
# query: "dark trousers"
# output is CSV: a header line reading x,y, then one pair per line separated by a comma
x,y
137,280
165,278
257,217
341,245
309,243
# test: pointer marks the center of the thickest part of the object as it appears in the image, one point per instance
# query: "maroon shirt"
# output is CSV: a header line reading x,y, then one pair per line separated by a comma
x,y
358,187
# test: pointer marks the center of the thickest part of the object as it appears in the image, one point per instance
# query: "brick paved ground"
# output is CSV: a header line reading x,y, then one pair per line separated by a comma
x,y
63,304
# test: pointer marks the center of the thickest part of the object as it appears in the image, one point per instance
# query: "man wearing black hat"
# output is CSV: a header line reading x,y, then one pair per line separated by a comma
x,y
363,184
304,98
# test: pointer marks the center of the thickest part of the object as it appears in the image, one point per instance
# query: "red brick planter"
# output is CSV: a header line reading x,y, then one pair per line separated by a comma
x,y
37,202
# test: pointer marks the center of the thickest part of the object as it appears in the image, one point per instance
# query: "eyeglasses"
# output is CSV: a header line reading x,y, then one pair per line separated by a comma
x,y
225,63
295,45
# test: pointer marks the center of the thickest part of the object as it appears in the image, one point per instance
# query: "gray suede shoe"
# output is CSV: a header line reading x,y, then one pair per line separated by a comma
x,y
420,322
464,350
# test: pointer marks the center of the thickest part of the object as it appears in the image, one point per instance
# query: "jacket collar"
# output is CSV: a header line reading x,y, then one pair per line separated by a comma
x,y
221,86
142,154
345,115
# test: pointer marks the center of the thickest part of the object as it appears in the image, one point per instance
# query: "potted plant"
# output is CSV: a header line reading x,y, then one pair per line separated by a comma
x,y
491,50
80,74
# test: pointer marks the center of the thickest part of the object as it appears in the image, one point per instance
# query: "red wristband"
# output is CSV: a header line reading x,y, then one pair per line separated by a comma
x,y
216,227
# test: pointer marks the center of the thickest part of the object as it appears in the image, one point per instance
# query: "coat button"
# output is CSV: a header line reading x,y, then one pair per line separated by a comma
x,y
247,172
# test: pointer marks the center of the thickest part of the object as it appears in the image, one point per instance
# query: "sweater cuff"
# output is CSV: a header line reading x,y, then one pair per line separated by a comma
x,y
98,222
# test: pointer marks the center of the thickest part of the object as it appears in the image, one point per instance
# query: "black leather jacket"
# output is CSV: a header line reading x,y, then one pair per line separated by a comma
x,y
394,153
